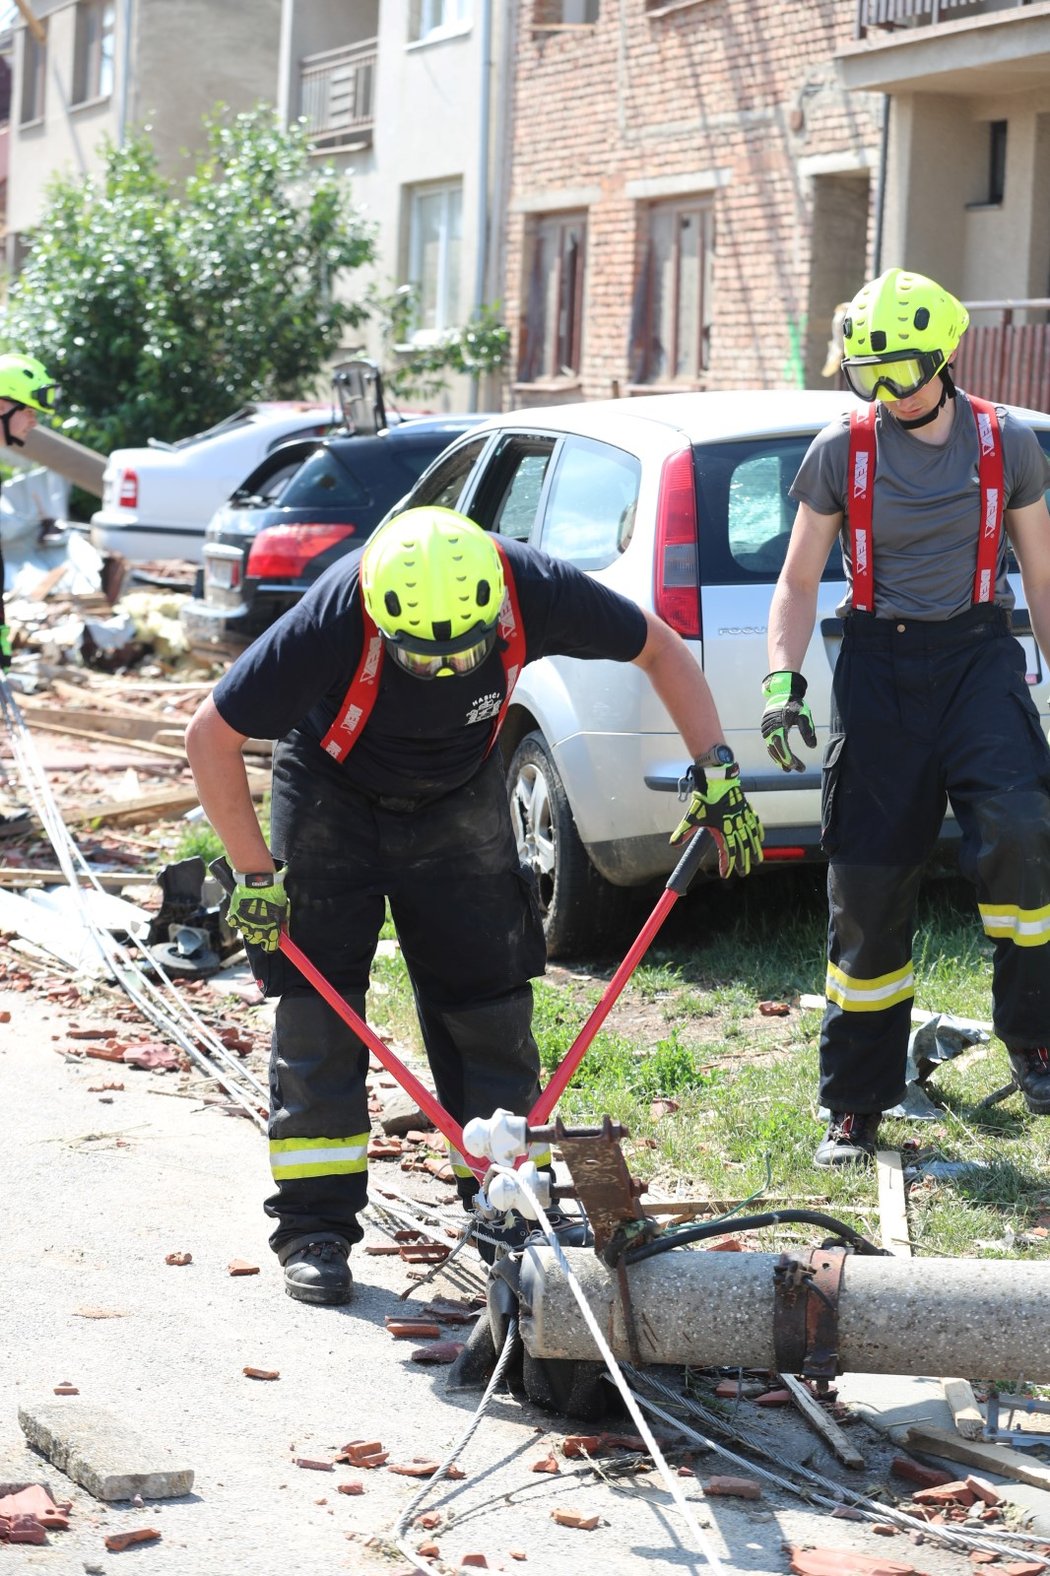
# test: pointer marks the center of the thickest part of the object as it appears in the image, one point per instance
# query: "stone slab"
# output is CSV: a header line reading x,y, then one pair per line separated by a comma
x,y
21,1467
98,1450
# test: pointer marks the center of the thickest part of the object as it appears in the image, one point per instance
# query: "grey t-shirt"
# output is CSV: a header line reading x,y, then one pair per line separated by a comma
x,y
925,508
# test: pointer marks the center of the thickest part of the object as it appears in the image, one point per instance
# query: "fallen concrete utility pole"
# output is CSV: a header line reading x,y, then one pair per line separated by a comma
x,y
815,1312
77,463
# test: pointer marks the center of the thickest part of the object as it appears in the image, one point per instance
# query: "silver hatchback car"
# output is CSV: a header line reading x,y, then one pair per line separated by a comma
x,y
679,501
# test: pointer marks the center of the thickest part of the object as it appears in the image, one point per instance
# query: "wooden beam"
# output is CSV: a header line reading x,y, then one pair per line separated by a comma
x,y
990,1458
33,22
893,1210
826,1426
969,1419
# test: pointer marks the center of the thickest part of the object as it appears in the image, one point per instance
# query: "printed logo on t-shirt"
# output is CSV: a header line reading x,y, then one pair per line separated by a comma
x,y
485,706
860,475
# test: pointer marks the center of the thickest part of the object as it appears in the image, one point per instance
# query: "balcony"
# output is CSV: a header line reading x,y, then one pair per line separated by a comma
x,y
337,96
948,46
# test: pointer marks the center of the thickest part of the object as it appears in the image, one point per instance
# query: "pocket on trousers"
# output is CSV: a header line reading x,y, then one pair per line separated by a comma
x,y
1034,731
829,783
270,970
533,959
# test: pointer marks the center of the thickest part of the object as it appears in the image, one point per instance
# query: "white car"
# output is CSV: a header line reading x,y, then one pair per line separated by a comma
x,y
157,501
679,501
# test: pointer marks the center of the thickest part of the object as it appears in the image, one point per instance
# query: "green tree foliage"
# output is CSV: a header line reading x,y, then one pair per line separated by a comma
x,y
159,311
417,371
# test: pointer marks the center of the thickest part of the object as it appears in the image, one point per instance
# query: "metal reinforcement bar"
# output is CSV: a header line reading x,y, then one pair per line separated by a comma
x,y
815,1312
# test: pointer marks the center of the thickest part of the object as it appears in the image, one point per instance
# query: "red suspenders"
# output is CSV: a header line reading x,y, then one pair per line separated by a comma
x,y
861,478
357,703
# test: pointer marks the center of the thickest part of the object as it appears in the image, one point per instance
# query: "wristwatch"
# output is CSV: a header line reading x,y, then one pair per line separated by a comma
x,y
717,755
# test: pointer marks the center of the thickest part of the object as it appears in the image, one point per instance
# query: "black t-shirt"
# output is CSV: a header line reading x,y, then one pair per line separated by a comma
x,y
423,735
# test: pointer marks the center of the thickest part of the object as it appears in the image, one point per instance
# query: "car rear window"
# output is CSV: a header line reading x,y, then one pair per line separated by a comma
x,y
745,512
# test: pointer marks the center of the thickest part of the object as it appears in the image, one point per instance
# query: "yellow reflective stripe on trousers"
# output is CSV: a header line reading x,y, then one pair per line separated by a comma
x,y
856,995
539,1154
1025,927
318,1157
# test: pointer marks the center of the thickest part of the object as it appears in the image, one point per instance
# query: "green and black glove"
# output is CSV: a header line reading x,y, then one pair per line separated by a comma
x,y
5,648
259,908
785,696
718,805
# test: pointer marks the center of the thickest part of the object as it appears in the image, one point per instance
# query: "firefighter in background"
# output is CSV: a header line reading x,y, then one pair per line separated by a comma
x,y
927,488
25,390
386,686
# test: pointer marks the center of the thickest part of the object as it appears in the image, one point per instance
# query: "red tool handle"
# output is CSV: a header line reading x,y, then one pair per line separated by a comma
x,y
698,846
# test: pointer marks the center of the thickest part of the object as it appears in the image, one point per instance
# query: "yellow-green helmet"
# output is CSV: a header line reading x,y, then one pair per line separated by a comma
x,y
433,584
26,380
899,332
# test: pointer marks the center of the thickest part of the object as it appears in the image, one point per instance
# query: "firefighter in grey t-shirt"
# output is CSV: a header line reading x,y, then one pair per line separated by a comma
x,y
927,488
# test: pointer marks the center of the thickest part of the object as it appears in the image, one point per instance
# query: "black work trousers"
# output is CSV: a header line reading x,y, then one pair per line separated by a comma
x,y
924,714
472,937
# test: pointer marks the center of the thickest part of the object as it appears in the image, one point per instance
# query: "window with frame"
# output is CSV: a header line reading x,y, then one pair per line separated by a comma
x,y
435,236
565,13
672,339
552,330
94,50
34,76
428,18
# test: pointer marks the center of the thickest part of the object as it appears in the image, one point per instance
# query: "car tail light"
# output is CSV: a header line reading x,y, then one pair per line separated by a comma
x,y
283,551
677,589
783,853
128,496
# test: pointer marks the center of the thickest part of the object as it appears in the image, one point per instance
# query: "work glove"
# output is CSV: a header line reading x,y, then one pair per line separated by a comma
x,y
5,648
259,908
719,807
786,709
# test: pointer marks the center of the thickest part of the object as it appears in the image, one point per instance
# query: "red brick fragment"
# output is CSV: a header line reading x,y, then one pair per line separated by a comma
x,y
21,1529
241,1267
36,1502
429,1551
954,1493
885,1529
106,1053
124,1540
727,1245
915,1472
66,1389
425,1252
573,1518
546,1464
416,1469
438,1352
846,1513
178,1258
262,1373
517,1554
774,1009
845,1562
983,1556
430,1520
353,1487
363,1453
313,1466
727,1389
574,1445
774,1398
984,1490
412,1329
478,1561
1023,1568
733,1487
376,1249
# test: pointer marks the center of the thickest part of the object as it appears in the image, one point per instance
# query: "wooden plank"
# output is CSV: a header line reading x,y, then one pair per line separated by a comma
x,y
167,751
976,1453
164,806
825,1426
893,1209
969,1420
96,719
108,880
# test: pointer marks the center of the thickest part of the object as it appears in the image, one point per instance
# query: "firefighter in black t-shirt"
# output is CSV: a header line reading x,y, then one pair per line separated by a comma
x,y
385,688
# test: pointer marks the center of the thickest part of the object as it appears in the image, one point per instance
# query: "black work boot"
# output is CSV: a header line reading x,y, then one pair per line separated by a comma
x,y
316,1269
1031,1070
849,1140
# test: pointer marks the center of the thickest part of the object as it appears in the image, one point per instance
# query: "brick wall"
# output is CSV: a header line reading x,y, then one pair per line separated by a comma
x,y
735,98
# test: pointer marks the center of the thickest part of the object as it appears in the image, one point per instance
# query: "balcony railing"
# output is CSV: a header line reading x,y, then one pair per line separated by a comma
x,y
919,13
337,94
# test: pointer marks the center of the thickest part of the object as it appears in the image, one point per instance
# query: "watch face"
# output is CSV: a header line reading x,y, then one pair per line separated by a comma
x,y
723,755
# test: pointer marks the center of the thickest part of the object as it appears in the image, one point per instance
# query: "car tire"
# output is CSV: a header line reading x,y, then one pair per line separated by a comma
x,y
580,908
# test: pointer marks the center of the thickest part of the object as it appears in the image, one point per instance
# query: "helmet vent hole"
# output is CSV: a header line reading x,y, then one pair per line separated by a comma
x,y
392,603
878,341
484,593
922,317
442,629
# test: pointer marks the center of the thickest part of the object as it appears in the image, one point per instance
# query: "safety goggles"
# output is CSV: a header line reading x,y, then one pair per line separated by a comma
x,y
427,659
898,375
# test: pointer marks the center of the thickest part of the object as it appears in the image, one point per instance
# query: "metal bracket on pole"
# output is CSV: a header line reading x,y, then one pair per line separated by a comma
x,y
806,1313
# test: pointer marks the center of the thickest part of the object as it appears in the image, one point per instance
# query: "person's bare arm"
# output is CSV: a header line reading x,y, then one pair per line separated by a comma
x,y
214,752
793,609
678,680
1029,531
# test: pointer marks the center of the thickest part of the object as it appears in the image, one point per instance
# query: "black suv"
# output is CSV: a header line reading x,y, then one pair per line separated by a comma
x,y
306,505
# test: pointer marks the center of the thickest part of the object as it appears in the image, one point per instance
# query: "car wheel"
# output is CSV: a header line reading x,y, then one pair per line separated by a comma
x,y
580,908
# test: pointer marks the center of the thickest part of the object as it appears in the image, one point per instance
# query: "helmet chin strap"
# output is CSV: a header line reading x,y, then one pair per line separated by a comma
x,y
10,440
947,393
